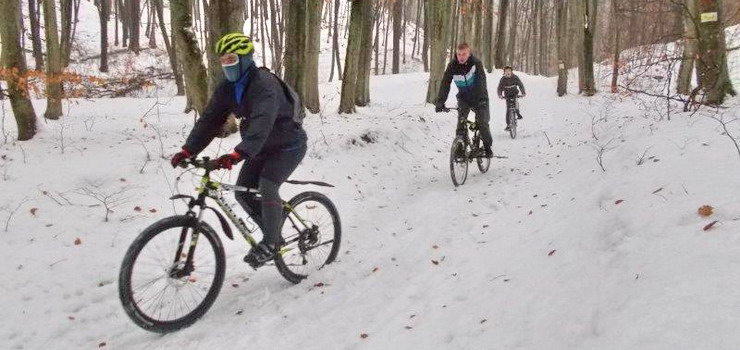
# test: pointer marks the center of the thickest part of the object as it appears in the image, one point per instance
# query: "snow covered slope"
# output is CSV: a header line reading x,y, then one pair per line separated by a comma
x,y
545,251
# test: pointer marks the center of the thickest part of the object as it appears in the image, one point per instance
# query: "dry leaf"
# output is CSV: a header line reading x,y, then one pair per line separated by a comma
x,y
710,225
152,210
137,208
71,318
435,247
551,252
706,210
435,262
376,269
483,321
34,210
363,335
658,190
320,284
235,285
408,327
618,201
102,344
78,241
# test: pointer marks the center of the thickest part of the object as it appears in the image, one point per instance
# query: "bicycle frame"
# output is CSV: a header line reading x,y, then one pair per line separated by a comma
x,y
212,189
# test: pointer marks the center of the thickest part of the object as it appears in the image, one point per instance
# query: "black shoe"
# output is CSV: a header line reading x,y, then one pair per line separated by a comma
x,y
507,128
488,152
520,117
259,255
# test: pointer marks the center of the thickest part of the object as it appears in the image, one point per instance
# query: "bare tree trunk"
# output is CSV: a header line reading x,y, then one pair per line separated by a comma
x,y
313,43
427,31
170,46
561,9
275,28
362,85
397,28
189,54
616,30
690,49
295,47
335,44
104,15
416,28
589,10
54,63
33,14
487,34
134,23
224,16
498,59
65,7
352,58
712,65
439,30
455,26
12,58
512,34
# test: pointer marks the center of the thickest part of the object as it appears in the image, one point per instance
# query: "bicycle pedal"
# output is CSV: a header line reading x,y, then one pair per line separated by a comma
x,y
252,262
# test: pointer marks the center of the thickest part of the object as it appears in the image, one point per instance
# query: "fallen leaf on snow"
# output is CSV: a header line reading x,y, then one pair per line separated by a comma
x,y
34,210
137,208
435,262
363,335
483,321
551,252
78,241
152,210
102,344
618,201
706,210
658,190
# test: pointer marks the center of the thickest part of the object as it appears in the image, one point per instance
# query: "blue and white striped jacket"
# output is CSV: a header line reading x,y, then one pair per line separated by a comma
x,y
470,79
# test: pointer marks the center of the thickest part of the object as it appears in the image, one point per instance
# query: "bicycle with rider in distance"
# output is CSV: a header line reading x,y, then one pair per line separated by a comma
x,y
465,150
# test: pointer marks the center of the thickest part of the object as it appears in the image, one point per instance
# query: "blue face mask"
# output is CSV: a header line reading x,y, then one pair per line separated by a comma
x,y
235,72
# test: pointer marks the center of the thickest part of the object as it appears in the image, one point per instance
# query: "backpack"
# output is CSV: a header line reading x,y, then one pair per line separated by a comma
x,y
299,113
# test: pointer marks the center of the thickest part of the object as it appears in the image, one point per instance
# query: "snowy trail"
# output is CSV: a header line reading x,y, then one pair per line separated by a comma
x,y
533,254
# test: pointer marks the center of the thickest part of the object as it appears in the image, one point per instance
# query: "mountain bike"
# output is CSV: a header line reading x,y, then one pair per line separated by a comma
x,y
173,271
465,150
512,106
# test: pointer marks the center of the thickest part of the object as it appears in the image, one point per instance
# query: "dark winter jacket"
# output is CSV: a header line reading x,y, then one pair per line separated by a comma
x,y
266,116
470,79
510,85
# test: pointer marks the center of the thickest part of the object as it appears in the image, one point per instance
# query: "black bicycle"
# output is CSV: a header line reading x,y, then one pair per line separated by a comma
x,y
173,271
465,150
512,106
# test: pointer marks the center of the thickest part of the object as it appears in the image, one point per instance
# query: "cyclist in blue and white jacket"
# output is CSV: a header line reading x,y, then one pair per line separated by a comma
x,y
469,76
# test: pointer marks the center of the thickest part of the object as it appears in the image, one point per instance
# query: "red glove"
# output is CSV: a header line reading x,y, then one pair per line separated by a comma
x,y
179,157
226,161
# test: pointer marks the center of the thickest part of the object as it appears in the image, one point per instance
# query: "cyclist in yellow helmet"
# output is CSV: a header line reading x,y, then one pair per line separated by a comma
x,y
273,140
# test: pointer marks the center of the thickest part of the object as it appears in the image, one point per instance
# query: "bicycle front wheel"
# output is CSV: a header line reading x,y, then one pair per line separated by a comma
x,y
458,161
512,123
167,280
483,162
311,233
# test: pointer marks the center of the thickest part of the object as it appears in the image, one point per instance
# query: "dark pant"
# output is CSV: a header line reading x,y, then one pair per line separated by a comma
x,y
267,172
511,100
482,117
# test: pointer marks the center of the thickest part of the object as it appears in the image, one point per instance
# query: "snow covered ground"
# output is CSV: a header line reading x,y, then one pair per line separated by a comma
x,y
545,250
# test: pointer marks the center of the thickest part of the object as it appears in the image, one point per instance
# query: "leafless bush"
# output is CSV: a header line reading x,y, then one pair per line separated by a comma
x,y
600,150
720,118
108,198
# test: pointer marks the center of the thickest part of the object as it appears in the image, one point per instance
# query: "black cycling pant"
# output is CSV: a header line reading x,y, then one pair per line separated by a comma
x,y
267,172
482,118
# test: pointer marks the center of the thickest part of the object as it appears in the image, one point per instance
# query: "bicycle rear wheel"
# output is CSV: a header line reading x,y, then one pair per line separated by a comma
x,y
311,232
160,291
459,161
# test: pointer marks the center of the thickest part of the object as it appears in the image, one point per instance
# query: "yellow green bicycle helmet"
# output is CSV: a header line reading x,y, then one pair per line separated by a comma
x,y
237,43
